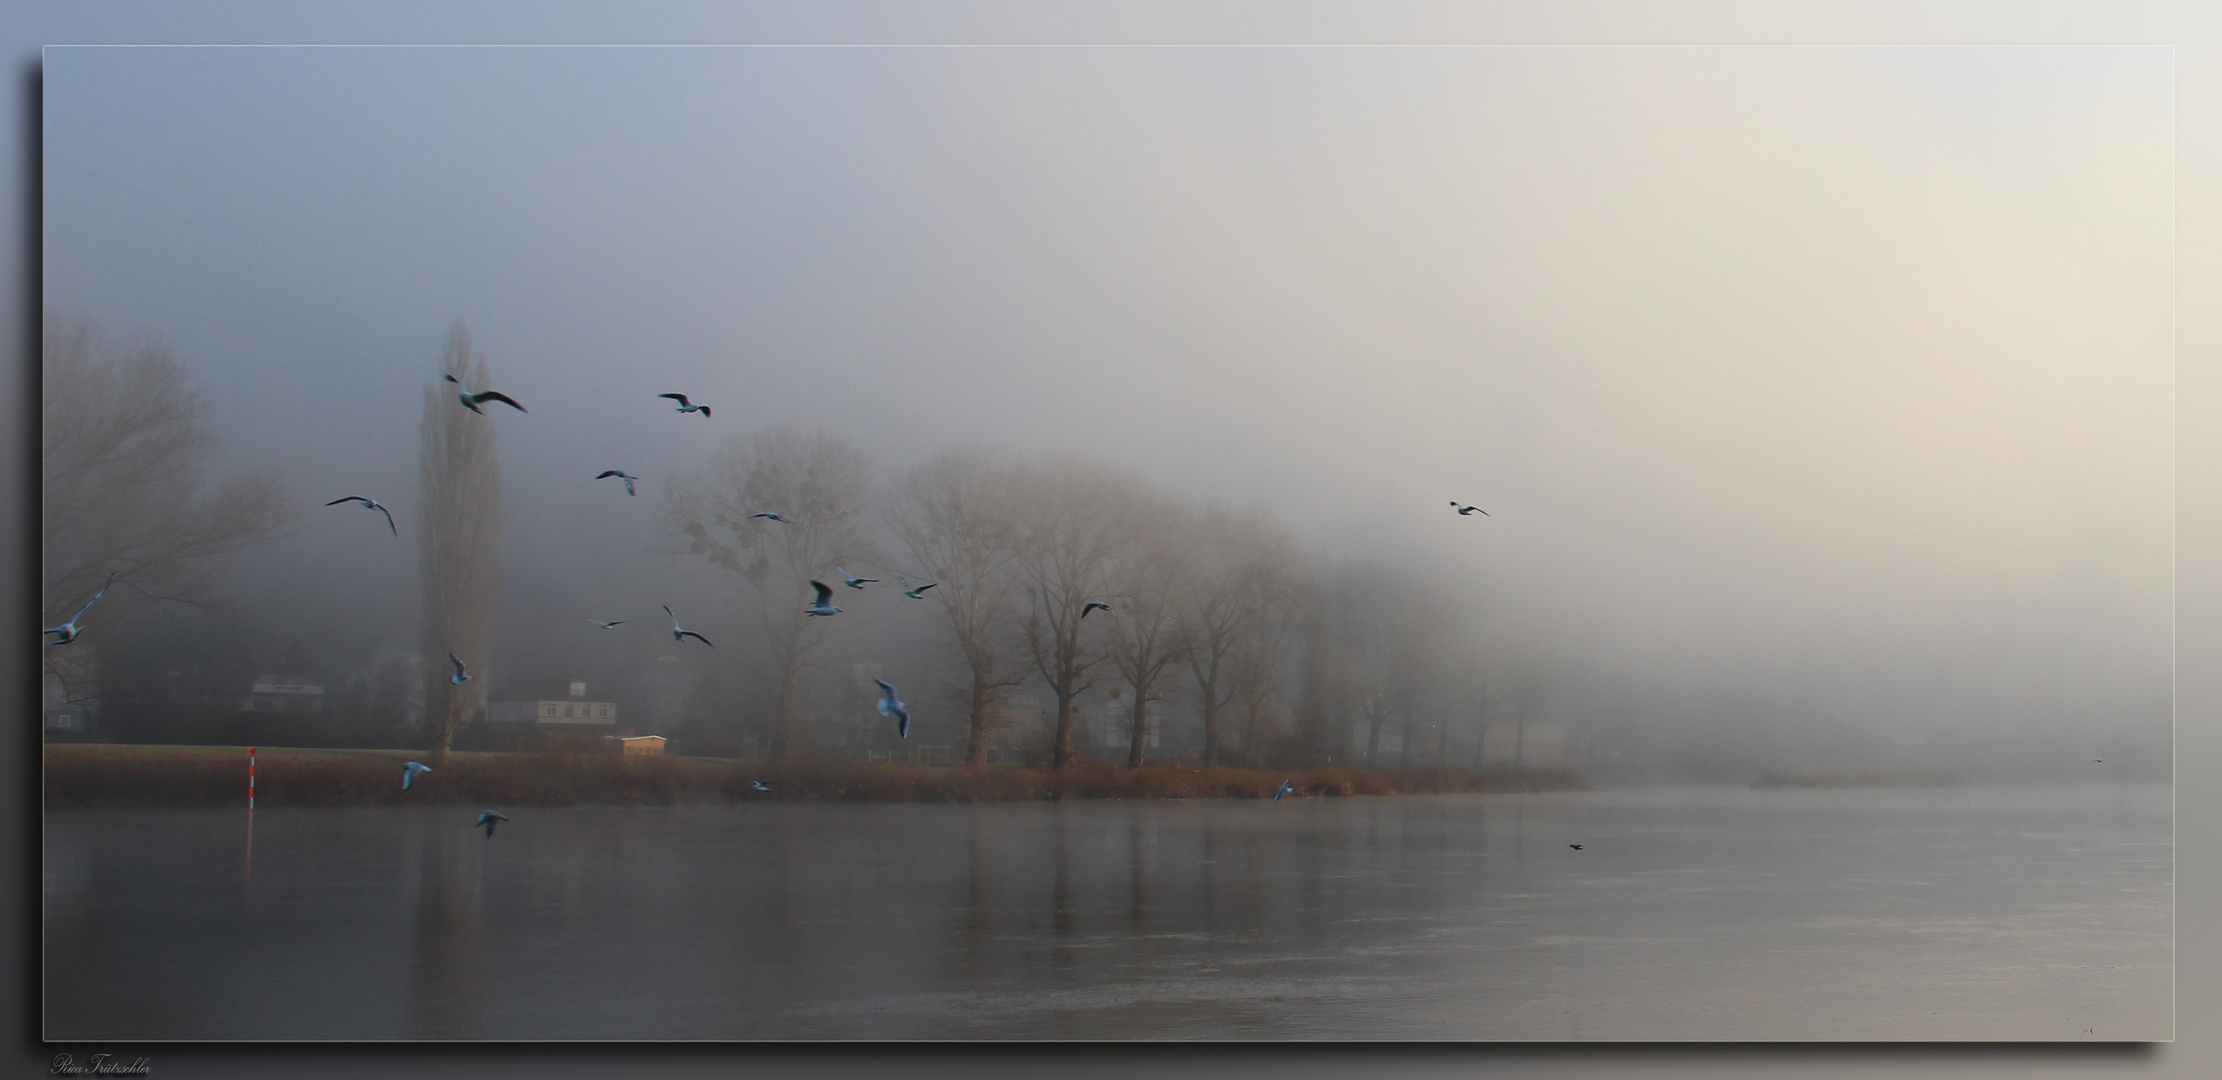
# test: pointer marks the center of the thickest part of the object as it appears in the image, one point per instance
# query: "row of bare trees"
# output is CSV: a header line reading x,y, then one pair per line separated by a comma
x,y
1217,609
1051,579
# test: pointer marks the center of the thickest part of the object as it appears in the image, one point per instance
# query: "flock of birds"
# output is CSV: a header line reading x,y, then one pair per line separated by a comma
x,y
889,703
822,605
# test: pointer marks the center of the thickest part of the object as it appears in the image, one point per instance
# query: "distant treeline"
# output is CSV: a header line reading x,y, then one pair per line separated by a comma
x,y
1083,612
110,775
1058,581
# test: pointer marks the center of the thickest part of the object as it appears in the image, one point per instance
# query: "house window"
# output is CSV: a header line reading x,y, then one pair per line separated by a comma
x,y
578,688
547,710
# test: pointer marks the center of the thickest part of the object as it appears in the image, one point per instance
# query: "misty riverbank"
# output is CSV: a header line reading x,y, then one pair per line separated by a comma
x,y
86,775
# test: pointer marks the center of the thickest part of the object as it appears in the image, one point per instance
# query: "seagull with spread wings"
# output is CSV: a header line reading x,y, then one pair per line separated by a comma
x,y
890,706
685,406
472,401
369,504
621,474
68,631
915,592
678,634
824,604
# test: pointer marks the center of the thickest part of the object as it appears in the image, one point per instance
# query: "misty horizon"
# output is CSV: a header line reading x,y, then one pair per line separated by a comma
x,y
1820,398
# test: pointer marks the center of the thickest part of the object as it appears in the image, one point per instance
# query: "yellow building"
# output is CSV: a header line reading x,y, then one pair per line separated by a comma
x,y
638,745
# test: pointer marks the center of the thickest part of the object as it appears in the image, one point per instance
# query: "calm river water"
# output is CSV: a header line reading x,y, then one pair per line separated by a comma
x,y
1715,914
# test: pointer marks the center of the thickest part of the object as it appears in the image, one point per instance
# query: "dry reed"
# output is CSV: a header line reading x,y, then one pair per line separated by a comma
x,y
108,775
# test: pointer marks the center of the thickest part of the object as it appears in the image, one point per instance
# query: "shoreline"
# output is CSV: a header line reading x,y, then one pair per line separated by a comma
x,y
79,775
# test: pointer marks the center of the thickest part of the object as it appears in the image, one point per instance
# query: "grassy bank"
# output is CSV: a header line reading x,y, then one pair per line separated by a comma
x,y
108,775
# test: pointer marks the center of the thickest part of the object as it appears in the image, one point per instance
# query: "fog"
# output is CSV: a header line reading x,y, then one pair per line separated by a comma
x,y
1820,399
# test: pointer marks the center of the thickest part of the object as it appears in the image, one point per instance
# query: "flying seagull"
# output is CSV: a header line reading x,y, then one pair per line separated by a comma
x,y
824,606
461,676
680,635
759,785
914,592
621,475
1463,511
775,517
853,581
1287,786
410,770
487,819
684,406
68,631
608,625
891,707
369,504
1091,606
471,401
1576,847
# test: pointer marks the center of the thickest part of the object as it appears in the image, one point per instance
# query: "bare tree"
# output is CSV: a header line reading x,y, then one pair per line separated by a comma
x,y
458,541
126,487
1069,531
1254,667
1358,657
1419,638
1151,573
954,516
820,485
1244,571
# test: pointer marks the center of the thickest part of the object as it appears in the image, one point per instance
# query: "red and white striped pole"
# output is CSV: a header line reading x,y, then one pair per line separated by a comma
x,y
250,779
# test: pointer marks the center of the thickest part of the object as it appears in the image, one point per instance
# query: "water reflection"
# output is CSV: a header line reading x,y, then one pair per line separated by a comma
x,y
1791,915
444,985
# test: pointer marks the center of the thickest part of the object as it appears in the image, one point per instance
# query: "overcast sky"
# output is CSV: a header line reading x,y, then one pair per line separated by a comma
x,y
1803,368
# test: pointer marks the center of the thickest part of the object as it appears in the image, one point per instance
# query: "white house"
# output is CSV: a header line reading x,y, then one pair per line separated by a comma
x,y
283,694
571,710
